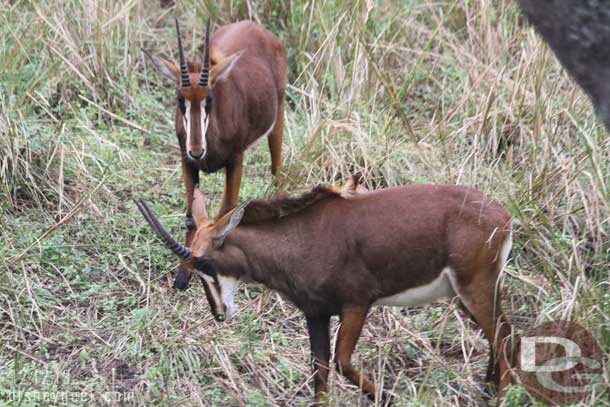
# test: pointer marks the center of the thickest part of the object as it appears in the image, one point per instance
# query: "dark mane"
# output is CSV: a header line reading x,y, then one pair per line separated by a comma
x,y
257,211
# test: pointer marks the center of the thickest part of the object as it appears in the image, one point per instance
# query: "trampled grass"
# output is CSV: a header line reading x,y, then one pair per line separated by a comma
x,y
406,91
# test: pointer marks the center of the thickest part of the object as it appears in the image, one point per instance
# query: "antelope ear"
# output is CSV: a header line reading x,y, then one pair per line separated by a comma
x,y
200,215
223,67
352,187
163,66
227,224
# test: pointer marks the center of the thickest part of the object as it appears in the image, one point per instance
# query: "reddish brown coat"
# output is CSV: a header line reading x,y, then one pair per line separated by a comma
x,y
244,100
337,252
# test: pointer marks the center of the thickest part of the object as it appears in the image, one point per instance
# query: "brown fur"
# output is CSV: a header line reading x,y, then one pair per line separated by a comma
x,y
332,255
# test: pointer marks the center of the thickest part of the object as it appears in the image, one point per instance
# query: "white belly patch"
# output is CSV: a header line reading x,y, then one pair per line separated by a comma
x,y
438,288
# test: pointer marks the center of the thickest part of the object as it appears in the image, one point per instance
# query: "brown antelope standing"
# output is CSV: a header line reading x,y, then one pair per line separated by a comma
x,y
223,105
339,252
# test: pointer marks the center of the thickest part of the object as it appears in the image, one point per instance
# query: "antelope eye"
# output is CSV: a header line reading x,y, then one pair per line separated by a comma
x,y
181,103
205,266
208,104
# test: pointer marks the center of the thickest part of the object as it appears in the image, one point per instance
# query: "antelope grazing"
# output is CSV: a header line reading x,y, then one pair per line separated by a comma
x,y
340,251
223,105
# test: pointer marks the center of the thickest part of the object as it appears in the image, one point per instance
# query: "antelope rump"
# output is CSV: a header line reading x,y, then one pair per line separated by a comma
x,y
341,251
223,105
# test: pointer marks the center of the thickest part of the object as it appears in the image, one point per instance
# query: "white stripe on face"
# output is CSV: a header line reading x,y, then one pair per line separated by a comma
x,y
204,127
213,290
187,118
228,286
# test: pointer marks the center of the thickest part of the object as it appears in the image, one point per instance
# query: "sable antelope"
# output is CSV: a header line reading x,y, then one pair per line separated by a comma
x,y
223,105
339,252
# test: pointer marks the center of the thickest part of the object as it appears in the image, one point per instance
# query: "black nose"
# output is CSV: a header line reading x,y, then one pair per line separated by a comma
x,y
196,156
219,317
181,282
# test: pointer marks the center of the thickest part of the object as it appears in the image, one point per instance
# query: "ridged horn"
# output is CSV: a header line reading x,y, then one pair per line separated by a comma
x,y
205,68
186,82
178,248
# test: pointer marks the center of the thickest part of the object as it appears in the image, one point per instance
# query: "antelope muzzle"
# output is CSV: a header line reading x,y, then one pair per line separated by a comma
x,y
183,277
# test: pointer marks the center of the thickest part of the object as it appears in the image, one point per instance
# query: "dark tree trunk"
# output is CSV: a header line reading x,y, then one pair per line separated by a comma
x,y
578,31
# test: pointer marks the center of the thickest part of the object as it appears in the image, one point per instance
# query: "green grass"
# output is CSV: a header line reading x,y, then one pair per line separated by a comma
x,y
406,91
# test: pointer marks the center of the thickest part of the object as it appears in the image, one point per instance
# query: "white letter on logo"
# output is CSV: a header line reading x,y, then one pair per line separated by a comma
x,y
573,357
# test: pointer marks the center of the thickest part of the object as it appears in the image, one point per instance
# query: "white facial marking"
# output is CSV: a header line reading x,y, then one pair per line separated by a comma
x,y
440,287
186,118
204,127
207,278
212,287
228,286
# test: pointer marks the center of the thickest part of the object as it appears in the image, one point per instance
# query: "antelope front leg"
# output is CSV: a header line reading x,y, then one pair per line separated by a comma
x,y
319,340
275,139
352,320
191,178
230,196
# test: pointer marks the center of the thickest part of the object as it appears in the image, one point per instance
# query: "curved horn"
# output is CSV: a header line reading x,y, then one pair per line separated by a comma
x,y
186,82
178,248
205,69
